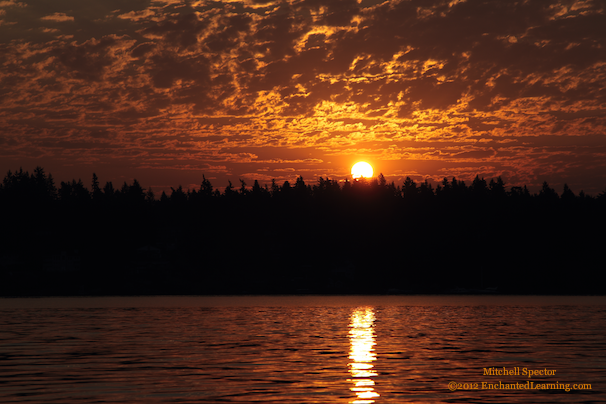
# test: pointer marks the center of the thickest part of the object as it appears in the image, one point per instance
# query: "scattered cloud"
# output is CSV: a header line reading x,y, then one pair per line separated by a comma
x,y
12,3
57,17
137,15
446,86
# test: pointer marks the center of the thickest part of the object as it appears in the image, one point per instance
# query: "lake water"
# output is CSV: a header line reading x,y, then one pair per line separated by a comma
x,y
305,349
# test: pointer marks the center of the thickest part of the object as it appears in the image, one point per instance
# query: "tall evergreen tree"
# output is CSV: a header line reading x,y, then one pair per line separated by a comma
x,y
97,194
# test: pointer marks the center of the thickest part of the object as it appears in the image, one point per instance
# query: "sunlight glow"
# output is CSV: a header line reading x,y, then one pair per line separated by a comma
x,y
361,335
361,169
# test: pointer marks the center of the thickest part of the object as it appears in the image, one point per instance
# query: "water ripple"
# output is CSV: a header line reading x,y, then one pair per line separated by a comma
x,y
296,354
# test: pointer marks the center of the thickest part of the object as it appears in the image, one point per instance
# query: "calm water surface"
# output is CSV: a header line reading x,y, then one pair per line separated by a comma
x,y
301,349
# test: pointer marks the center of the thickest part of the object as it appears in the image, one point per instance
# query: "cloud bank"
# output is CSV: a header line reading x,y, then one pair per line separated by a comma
x,y
270,89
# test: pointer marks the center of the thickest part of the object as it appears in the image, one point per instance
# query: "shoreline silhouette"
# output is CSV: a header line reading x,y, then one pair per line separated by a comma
x,y
354,237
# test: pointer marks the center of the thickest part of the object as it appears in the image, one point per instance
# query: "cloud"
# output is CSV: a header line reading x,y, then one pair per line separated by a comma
x,y
89,60
137,15
168,2
57,17
12,3
49,30
181,31
507,87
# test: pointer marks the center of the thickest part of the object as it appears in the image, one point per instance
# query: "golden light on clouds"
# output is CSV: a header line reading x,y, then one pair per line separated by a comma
x,y
173,84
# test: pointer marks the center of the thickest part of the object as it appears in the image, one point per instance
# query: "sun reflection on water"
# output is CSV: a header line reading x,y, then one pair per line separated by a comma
x,y
362,338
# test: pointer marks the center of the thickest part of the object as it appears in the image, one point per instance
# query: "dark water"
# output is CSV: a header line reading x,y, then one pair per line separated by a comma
x,y
301,350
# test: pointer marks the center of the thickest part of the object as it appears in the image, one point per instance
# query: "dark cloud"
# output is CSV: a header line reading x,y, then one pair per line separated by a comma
x,y
88,61
181,31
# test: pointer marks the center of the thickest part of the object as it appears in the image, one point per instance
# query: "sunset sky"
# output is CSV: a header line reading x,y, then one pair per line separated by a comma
x,y
165,91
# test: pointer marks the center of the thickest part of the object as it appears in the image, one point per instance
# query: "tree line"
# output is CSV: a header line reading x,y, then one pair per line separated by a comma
x,y
326,236
21,188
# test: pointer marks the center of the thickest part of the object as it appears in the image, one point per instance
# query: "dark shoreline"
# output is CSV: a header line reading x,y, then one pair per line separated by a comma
x,y
367,237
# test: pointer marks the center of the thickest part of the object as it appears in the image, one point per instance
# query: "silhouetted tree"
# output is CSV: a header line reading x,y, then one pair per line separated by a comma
x,y
178,197
206,188
426,191
392,190
519,193
347,188
409,190
301,190
548,194
275,188
136,192
109,193
286,188
459,189
45,190
497,188
97,194
52,190
149,196
229,190
24,190
567,195
382,188
256,188
443,188
131,195
243,190
74,192
307,216
164,198
381,181
479,187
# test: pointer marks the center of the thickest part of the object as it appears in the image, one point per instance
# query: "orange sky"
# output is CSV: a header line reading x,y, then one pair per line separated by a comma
x,y
168,90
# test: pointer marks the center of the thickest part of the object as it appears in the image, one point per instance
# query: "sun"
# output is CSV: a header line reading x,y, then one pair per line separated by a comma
x,y
361,169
